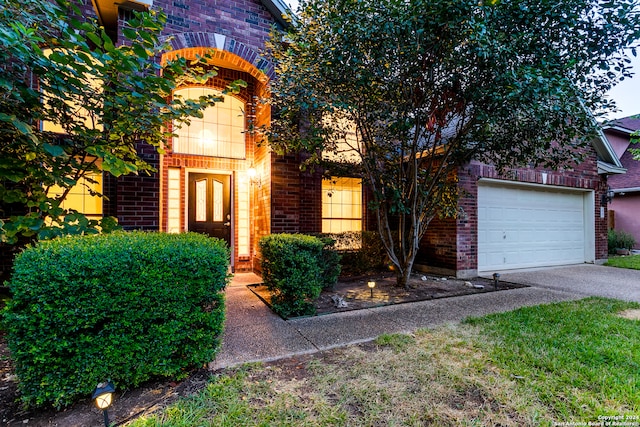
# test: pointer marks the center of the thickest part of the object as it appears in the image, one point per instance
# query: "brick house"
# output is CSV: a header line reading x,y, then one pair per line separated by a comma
x,y
217,179
625,205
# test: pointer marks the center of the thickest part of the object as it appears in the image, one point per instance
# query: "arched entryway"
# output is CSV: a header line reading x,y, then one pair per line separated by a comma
x,y
205,181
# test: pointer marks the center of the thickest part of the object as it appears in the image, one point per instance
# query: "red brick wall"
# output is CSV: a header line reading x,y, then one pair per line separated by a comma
x,y
135,199
295,197
248,21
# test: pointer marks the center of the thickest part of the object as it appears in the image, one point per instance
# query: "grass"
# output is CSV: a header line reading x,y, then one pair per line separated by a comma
x,y
631,261
534,366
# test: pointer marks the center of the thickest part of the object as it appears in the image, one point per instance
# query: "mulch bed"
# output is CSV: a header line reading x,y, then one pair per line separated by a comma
x,y
356,295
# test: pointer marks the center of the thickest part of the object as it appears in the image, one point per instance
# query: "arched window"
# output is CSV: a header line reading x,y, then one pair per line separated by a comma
x,y
220,133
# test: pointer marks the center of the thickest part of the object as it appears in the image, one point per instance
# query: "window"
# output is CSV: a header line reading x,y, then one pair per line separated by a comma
x,y
77,106
83,108
220,133
80,197
341,205
347,143
173,201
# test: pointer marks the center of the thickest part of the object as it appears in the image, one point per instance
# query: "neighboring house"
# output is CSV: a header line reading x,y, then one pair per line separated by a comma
x,y
625,205
215,178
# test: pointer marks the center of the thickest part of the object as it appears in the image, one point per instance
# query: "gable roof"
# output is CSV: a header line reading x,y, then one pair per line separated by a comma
x,y
629,182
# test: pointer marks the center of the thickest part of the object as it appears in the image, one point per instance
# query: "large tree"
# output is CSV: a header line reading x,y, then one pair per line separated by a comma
x,y
412,89
73,104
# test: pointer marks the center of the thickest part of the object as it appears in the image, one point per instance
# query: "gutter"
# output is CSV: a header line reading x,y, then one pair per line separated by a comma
x,y
621,191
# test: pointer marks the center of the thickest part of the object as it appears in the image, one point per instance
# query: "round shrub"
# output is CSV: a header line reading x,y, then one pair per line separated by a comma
x,y
125,306
292,267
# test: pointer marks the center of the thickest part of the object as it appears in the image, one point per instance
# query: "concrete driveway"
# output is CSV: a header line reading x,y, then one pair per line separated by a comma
x,y
582,279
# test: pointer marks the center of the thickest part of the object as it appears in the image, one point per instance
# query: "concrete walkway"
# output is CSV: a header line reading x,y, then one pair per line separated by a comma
x,y
253,333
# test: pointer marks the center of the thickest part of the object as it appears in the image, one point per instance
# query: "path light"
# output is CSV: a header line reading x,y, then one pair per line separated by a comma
x,y
371,285
496,277
103,396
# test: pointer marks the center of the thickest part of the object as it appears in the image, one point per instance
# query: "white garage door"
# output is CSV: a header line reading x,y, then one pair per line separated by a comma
x,y
520,227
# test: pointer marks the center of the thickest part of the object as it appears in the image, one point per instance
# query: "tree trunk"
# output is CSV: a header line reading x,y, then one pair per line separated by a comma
x,y
403,272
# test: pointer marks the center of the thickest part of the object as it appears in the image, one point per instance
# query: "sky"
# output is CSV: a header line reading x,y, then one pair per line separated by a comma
x,y
626,94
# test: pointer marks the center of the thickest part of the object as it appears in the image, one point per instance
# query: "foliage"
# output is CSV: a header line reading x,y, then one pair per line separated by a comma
x,y
583,346
292,269
632,262
403,92
330,263
123,306
60,68
618,239
360,251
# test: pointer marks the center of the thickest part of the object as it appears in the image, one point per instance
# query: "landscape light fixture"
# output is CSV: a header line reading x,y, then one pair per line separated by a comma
x,y
371,285
103,396
496,277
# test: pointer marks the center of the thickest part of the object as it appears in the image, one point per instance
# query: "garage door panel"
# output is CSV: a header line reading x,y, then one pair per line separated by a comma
x,y
525,227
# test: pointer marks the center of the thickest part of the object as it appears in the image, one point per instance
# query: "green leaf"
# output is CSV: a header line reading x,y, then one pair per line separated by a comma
x,y
53,150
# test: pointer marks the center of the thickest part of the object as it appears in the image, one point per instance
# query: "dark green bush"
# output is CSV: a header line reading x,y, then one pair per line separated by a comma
x,y
124,306
361,251
618,239
292,268
330,263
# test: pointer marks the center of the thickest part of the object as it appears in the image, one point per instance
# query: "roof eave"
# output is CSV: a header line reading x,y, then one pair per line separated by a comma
x,y
107,10
605,168
619,129
279,10
605,151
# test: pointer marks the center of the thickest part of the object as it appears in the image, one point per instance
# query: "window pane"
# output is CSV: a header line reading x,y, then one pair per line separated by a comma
x,y
220,133
201,200
79,197
341,205
174,201
217,201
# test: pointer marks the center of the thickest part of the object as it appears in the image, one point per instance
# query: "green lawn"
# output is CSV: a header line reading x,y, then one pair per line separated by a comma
x,y
567,362
632,261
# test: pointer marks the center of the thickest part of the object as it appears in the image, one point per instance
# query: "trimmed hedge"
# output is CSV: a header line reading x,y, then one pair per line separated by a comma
x,y
124,306
292,268
361,251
